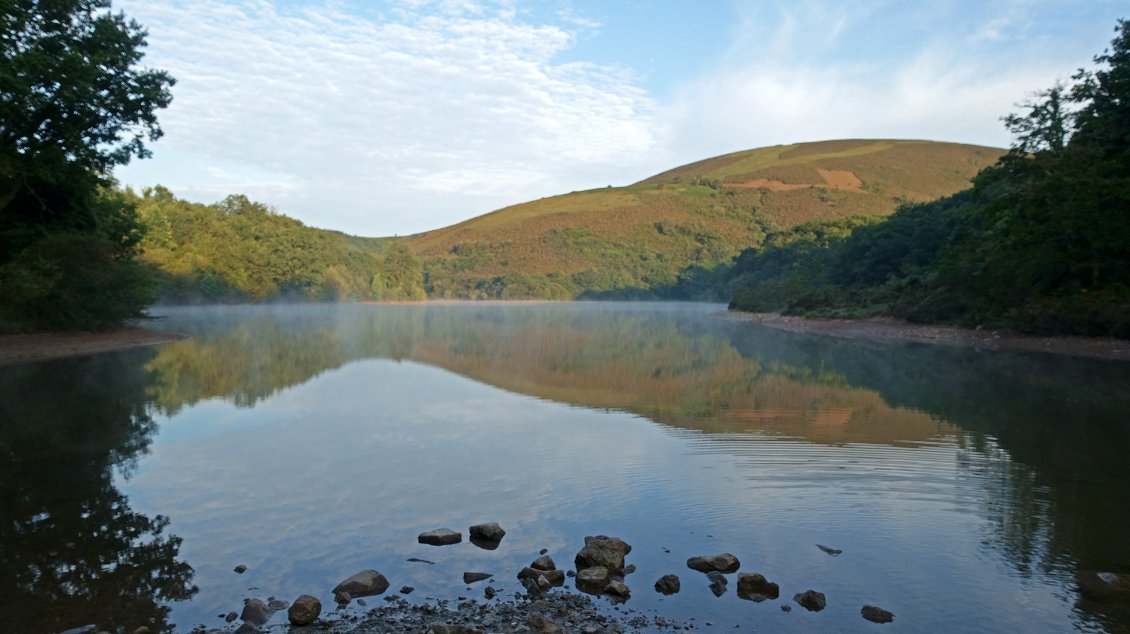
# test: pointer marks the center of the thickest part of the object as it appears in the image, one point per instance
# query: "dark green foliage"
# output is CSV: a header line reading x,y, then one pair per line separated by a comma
x,y
1041,243
73,104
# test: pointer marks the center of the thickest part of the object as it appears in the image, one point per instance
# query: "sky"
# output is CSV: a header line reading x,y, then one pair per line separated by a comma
x,y
393,117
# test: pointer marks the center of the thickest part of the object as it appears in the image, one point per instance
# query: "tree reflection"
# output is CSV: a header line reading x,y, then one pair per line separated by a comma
x,y
72,551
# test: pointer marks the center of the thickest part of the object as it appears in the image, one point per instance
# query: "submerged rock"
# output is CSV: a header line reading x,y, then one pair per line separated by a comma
x,y
835,552
554,577
472,577
668,584
593,579
755,587
305,610
362,584
1103,586
618,589
722,562
876,615
440,537
718,582
604,551
811,600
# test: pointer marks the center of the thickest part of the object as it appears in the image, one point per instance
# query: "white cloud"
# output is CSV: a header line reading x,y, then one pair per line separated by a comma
x,y
454,107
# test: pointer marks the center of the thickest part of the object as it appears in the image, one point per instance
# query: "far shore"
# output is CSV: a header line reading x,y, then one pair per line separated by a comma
x,y
44,346
888,329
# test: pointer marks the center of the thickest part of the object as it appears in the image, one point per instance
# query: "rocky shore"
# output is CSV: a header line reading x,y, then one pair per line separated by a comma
x,y
600,574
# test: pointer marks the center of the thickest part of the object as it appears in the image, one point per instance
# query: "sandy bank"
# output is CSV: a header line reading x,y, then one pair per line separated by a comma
x,y
43,346
894,330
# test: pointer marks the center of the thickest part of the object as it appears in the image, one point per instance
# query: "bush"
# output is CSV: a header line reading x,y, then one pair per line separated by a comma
x,y
72,281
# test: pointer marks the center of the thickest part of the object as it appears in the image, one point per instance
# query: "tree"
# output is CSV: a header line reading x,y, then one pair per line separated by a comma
x,y
74,103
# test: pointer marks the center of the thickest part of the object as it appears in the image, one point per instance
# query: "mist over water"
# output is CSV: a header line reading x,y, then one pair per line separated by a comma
x,y
965,488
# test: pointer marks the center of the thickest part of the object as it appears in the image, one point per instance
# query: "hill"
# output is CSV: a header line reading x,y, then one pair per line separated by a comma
x,y
662,236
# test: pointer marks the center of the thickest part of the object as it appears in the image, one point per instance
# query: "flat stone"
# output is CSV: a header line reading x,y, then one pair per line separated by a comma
x,y
722,562
363,584
440,537
472,577
593,579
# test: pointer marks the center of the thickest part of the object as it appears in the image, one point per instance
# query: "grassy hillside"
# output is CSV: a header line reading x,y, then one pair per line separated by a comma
x,y
654,238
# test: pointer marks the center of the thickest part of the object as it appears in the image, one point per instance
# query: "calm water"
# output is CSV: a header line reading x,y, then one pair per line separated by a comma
x,y
965,488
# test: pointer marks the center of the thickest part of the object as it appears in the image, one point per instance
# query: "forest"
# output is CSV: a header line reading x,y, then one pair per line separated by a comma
x,y
1040,243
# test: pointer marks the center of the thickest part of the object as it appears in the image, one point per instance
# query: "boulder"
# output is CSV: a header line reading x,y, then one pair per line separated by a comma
x,y
593,579
472,577
668,584
489,532
545,562
755,587
554,577
342,598
811,600
363,584
604,551
255,612
1103,586
723,562
304,610
876,615
440,537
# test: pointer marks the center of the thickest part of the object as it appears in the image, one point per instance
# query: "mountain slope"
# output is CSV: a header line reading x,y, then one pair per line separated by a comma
x,y
652,235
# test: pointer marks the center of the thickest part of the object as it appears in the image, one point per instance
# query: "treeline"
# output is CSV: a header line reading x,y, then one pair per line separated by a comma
x,y
238,250
1040,243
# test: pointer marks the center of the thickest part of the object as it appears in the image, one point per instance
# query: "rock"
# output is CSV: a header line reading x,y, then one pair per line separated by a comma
x,y
440,537
543,551
489,592
472,577
247,628
668,584
811,600
593,579
447,628
240,569
417,560
604,551
618,589
363,584
543,584
341,597
545,562
723,562
835,552
276,604
717,582
305,610
489,532
256,612
786,608
231,616
555,577
1103,586
755,587
143,629
627,570
406,589
876,615
539,623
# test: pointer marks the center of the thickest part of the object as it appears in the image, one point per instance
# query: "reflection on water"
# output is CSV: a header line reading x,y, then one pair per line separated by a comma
x,y
964,487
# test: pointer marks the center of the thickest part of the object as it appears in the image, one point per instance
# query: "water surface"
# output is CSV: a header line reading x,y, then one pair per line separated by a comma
x,y
965,488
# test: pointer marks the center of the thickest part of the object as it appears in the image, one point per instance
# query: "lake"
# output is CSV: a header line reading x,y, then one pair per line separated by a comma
x,y
965,488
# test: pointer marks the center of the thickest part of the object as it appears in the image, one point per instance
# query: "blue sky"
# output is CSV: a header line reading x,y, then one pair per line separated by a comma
x,y
395,117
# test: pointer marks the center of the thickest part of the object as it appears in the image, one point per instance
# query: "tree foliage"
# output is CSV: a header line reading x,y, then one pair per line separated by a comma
x,y
74,103
1040,243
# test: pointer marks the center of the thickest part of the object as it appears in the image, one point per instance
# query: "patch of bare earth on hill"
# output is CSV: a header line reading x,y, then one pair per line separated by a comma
x,y
43,346
842,180
886,329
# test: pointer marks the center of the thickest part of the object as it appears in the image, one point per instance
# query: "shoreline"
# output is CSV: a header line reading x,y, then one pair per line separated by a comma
x,y
46,346
889,329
